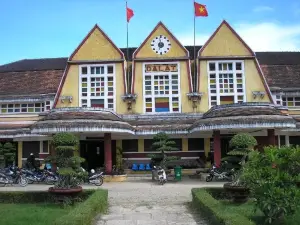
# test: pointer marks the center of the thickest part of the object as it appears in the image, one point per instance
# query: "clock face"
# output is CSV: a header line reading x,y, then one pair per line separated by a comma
x,y
161,45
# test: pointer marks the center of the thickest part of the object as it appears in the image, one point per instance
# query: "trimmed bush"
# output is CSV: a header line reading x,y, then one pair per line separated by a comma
x,y
85,212
214,210
27,197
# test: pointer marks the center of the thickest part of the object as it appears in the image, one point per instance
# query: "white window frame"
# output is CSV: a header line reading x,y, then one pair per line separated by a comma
x,y
234,71
88,76
27,103
153,96
277,97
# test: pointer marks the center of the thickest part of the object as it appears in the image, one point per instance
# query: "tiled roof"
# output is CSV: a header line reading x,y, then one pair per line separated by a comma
x,y
30,82
42,76
264,58
282,76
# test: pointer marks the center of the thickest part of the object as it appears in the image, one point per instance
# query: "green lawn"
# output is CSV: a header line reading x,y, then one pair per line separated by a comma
x,y
30,214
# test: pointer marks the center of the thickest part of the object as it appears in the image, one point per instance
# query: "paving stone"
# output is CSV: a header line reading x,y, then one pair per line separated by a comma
x,y
137,216
121,222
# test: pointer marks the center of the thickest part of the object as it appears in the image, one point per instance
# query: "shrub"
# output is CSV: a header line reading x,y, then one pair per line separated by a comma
x,y
162,144
272,178
214,210
35,196
69,165
7,153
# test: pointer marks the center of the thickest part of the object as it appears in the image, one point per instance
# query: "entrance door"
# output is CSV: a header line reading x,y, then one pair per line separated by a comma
x,y
93,152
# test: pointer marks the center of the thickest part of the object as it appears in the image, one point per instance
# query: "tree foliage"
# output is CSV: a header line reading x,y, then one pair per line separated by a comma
x,y
163,144
7,153
69,165
273,177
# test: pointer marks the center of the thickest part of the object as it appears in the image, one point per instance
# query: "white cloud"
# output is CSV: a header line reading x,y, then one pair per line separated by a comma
x,y
265,36
263,9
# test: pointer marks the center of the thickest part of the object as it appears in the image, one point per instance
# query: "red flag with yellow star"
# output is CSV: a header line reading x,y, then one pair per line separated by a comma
x,y
200,10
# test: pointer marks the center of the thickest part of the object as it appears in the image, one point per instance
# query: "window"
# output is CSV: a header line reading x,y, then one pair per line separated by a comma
x,y
45,147
291,101
277,99
161,88
25,107
226,82
97,86
130,145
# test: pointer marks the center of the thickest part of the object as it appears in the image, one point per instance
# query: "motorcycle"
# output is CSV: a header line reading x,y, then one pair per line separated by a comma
x,y
220,174
161,175
12,175
92,178
42,176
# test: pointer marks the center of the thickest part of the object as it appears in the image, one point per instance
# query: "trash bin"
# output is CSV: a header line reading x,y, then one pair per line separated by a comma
x,y
177,172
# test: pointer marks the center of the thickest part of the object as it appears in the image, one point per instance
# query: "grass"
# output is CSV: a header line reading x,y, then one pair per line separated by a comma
x,y
247,210
30,214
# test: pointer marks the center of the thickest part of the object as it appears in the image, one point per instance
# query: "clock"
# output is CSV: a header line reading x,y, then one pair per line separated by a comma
x,y
161,45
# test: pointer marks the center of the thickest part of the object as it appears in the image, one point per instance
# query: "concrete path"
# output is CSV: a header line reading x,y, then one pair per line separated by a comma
x,y
144,202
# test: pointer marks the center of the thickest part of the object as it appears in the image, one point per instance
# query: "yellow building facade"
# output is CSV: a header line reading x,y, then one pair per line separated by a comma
x,y
111,100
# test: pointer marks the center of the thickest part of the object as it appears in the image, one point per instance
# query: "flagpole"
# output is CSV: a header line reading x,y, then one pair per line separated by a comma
x,y
195,66
127,53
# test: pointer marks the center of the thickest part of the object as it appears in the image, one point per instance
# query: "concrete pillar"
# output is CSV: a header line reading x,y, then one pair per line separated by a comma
x,y
287,140
141,145
271,137
185,144
217,147
20,153
107,153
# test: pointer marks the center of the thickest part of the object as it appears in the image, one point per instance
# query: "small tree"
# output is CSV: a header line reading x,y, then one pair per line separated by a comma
x,y
119,161
7,154
242,144
69,165
163,144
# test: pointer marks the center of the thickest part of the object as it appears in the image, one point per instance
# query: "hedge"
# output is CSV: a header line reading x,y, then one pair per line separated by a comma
x,y
214,211
85,212
20,197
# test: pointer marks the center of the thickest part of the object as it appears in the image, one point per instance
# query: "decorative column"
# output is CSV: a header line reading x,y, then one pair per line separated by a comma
x,y
107,153
271,137
217,147
287,140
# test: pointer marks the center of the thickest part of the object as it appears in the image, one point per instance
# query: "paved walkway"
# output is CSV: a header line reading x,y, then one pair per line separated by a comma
x,y
145,202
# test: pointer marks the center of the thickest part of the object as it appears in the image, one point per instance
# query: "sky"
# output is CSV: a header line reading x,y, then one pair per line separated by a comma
x,y
54,28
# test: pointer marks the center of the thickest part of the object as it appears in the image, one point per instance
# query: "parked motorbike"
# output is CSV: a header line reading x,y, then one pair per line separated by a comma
x,y
93,178
12,175
220,174
40,176
161,175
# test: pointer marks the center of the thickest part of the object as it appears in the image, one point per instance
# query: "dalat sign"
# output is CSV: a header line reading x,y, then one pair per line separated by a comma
x,y
154,68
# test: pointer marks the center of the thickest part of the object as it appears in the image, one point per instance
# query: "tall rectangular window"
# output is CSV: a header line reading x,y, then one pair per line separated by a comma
x,y
97,86
161,88
226,82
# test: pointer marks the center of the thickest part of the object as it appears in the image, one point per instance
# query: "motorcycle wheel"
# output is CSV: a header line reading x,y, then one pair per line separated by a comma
x,y
99,182
30,181
161,181
2,182
23,181
50,180
208,178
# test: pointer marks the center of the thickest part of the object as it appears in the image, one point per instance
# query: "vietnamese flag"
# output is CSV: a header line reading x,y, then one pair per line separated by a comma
x,y
129,13
200,10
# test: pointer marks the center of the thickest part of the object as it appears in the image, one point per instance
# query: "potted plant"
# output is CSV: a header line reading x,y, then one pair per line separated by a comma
x,y
118,173
68,165
242,144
